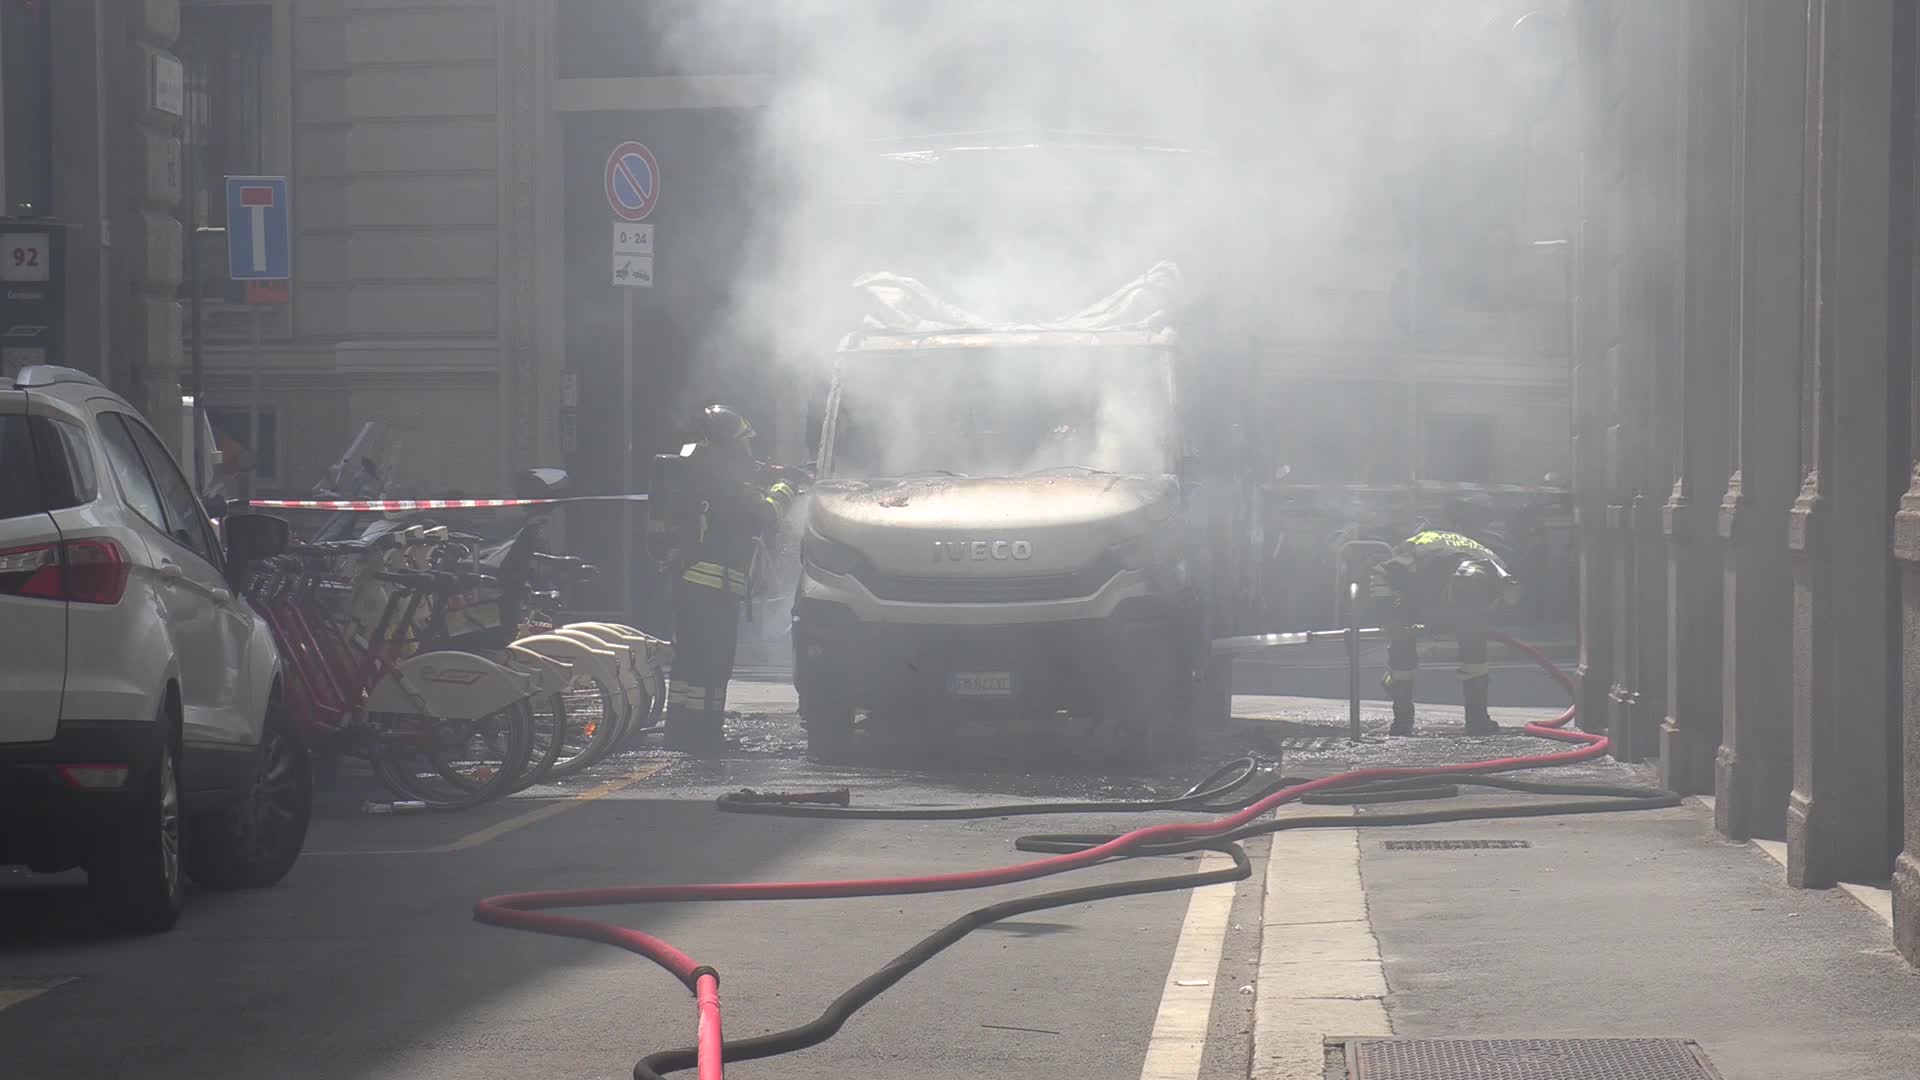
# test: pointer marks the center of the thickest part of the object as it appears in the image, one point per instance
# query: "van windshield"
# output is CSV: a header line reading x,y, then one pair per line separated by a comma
x,y
1004,412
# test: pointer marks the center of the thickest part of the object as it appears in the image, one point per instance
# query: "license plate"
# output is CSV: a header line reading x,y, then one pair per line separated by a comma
x,y
981,683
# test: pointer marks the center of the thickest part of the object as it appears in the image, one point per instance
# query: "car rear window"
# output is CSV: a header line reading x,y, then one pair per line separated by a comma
x,y
44,465
19,468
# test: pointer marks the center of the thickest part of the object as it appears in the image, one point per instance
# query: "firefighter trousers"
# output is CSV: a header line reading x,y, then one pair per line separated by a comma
x,y
1403,662
706,628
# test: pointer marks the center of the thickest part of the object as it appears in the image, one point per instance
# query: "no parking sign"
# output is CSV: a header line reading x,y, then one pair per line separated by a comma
x,y
632,181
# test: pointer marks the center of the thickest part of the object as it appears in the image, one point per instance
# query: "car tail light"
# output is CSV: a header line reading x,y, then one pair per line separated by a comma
x,y
94,572
97,571
95,777
32,571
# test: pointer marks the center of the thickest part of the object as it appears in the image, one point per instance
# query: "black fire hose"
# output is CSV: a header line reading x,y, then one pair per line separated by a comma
x,y
1598,798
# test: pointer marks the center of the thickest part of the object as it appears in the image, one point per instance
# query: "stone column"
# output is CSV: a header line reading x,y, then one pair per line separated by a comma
x,y
78,92
1906,868
150,232
417,194
1754,769
1639,457
523,74
1906,528
1691,730
1837,821
1593,337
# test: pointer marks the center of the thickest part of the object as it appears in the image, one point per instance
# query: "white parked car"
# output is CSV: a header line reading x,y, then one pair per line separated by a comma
x,y
142,734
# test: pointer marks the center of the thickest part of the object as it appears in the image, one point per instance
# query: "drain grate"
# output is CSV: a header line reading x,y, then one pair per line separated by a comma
x,y
1527,1059
1312,742
1454,845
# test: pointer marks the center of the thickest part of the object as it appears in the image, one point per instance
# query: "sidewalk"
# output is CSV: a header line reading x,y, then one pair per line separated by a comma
x,y
1640,925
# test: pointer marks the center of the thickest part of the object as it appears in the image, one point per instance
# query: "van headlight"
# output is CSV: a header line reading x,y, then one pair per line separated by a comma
x,y
828,556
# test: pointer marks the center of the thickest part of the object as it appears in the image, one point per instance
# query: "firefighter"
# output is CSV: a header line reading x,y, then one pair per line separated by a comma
x,y
724,515
1449,581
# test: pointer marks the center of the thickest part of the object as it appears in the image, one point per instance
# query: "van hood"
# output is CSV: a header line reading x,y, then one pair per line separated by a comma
x,y
952,526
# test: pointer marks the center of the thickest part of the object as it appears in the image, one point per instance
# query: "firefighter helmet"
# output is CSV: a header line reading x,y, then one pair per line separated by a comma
x,y
720,425
1473,584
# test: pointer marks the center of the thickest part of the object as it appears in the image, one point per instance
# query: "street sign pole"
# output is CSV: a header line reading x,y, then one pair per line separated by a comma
x,y
627,575
632,182
253,401
260,254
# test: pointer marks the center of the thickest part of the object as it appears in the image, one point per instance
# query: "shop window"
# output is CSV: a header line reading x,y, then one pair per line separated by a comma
x,y
227,50
27,154
231,433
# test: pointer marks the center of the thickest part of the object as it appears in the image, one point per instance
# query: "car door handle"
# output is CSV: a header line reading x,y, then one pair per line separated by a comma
x,y
170,570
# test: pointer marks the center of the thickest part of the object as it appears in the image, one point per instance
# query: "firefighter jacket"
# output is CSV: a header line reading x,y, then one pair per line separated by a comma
x,y
1422,563
728,516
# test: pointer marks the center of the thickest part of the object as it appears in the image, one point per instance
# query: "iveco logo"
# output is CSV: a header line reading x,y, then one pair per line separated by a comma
x,y
981,550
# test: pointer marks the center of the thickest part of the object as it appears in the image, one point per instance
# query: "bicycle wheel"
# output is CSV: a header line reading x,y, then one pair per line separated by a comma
x,y
549,738
458,764
646,718
593,712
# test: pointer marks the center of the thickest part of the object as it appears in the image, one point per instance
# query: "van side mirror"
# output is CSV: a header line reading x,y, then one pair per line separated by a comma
x,y
253,537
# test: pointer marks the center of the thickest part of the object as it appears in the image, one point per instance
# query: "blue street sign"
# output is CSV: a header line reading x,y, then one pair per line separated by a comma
x,y
259,229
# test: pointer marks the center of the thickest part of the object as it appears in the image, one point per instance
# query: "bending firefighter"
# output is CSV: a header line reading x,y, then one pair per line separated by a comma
x,y
1448,582
713,518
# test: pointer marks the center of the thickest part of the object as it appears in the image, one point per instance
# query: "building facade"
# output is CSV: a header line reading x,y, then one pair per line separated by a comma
x,y
451,232
1749,509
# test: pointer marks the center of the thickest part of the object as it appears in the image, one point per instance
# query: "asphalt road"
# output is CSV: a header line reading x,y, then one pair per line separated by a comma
x,y
365,962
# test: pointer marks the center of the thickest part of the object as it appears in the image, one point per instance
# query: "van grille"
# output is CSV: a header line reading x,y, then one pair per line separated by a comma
x,y
987,589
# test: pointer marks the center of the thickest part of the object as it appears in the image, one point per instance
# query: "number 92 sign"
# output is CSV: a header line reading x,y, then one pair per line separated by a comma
x,y
25,257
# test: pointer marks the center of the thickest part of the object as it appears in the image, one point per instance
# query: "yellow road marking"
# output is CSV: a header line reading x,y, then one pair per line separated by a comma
x,y
10,998
514,824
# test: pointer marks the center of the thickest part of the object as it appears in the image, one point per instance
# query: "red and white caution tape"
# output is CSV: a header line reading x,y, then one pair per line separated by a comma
x,y
389,505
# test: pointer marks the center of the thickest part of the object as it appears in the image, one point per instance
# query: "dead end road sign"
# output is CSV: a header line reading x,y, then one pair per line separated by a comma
x,y
259,229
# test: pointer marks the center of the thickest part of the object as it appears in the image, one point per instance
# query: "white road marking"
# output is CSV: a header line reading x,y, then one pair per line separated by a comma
x,y
1321,972
1186,1004
1875,899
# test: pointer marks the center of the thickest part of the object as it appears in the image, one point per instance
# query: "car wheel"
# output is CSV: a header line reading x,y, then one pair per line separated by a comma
x,y
826,710
255,842
1149,710
135,880
1213,698
829,727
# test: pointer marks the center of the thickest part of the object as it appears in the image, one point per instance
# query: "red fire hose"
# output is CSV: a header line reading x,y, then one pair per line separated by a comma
x,y
529,911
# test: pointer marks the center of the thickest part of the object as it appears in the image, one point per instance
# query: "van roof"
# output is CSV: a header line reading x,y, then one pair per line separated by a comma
x,y
871,342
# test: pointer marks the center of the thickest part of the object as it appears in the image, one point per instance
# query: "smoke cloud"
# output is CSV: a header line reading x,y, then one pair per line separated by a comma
x,y
1280,151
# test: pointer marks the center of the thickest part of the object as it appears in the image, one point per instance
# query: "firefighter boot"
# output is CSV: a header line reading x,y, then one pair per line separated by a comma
x,y
1403,661
1474,692
695,731
677,728
1402,708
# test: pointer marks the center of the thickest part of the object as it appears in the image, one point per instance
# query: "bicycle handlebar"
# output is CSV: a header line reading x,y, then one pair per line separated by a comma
x,y
434,580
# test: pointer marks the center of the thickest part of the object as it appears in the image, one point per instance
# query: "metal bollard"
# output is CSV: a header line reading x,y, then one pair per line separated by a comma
x,y
1353,661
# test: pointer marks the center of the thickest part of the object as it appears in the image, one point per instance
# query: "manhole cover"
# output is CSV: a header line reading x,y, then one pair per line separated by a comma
x,y
1454,845
1527,1059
